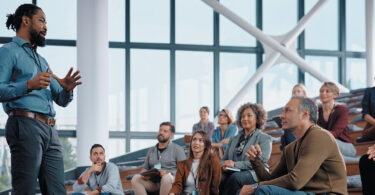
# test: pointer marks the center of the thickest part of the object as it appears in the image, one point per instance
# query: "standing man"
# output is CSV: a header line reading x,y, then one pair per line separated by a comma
x,y
164,157
312,164
27,90
101,177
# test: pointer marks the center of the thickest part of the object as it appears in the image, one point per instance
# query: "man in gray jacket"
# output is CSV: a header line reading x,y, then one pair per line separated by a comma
x,y
101,177
164,157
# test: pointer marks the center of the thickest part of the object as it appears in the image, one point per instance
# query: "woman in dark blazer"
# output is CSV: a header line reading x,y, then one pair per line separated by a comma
x,y
201,171
237,169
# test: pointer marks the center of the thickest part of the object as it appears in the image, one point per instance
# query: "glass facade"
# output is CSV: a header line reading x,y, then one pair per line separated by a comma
x,y
181,55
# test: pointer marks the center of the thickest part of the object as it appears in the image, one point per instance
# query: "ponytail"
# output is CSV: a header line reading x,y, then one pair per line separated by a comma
x,y
10,22
14,20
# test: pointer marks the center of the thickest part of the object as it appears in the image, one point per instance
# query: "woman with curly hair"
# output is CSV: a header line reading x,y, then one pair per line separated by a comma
x,y
200,172
237,169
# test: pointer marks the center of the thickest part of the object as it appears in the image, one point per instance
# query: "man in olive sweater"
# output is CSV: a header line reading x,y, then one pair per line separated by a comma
x,y
311,164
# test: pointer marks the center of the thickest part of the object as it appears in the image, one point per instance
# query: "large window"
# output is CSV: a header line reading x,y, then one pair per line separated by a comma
x,y
194,24
355,26
356,73
60,60
235,70
116,23
150,89
194,87
8,7
61,18
322,31
116,99
284,12
230,33
149,21
277,85
327,66
169,58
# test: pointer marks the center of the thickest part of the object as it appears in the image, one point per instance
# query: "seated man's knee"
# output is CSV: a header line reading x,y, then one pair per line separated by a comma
x,y
235,177
135,179
265,189
167,178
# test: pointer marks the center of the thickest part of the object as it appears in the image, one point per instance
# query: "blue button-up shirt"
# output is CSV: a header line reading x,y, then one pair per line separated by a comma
x,y
18,64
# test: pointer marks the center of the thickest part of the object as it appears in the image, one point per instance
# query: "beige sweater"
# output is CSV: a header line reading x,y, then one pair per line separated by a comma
x,y
312,163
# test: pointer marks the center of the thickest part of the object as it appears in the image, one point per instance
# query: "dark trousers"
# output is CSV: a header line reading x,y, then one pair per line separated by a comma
x,y
35,153
367,170
233,181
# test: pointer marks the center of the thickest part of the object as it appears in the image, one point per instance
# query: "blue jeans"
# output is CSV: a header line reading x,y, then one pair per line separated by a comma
x,y
275,190
348,151
232,181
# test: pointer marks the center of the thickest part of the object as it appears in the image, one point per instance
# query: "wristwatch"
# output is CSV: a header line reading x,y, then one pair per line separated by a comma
x,y
255,186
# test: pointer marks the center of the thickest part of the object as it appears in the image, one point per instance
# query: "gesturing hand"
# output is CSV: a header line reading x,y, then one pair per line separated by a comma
x,y
40,81
69,82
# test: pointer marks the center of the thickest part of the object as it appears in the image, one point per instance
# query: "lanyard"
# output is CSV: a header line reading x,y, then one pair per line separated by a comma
x,y
158,155
35,56
96,179
195,177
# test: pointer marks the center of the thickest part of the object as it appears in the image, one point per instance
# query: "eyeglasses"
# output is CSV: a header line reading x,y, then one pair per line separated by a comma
x,y
223,115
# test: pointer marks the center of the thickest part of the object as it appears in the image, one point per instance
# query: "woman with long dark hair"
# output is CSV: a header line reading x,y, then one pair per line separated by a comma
x,y
200,173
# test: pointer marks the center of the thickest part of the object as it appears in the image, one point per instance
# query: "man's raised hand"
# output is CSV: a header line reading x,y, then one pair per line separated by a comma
x,y
70,81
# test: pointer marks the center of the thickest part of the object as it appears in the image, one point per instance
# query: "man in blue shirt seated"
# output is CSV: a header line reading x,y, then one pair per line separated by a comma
x,y
102,177
27,91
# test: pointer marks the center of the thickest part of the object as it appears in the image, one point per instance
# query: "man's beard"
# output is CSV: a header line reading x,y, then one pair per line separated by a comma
x,y
37,39
161,140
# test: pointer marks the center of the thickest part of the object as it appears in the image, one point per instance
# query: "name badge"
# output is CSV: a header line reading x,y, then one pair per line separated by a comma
x,y
157,166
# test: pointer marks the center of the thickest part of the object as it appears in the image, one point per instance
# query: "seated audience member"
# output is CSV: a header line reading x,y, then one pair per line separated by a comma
x,y
368,113
310,165
164,157
288,137
102,177
200,172
367,170
251,118
226,130
204,124
299,90
334,118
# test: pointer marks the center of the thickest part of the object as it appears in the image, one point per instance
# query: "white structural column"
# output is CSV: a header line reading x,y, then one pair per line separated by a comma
x,y
370,42
92,59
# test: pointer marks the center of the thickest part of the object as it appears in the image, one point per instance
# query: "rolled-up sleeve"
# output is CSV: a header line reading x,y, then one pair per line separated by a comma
x,y
9,90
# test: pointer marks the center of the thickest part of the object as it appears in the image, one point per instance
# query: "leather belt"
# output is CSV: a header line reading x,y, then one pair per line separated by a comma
x,y
44,119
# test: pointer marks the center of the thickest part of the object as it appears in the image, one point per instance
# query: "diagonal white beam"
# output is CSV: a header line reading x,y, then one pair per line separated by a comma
x,y
265,39
271,59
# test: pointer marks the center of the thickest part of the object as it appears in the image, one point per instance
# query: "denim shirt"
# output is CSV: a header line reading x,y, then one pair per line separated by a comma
x,y
18,64
230,132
